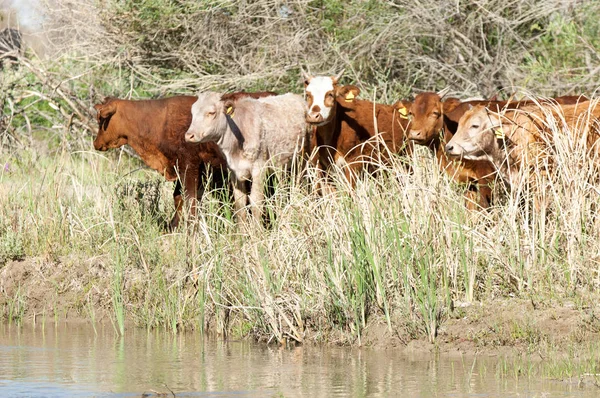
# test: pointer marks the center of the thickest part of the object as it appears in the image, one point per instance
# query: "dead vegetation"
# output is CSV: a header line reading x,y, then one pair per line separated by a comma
x,y
398,251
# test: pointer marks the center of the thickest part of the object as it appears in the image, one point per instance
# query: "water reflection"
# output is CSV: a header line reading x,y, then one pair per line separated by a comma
x,y
75,361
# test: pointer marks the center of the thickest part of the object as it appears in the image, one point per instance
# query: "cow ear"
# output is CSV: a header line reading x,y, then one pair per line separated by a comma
x,y
335,79
444,92
229,106
403,108
348,93
106,109
450,104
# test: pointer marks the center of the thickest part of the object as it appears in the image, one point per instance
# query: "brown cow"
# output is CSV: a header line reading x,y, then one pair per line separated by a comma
x,y
433,123
513,139
349,131
155,129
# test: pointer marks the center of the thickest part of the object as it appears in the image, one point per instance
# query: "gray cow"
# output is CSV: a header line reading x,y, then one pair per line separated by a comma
x,y
253,134
10,44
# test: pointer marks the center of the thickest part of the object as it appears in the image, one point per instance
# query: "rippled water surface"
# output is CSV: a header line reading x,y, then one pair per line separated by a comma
x,y
76,361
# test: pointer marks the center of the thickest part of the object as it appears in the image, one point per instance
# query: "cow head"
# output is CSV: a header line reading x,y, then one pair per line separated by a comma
x,y
208,118
320,96
109,134
426,116
478,135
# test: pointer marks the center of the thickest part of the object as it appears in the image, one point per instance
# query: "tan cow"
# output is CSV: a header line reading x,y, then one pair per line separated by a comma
x,y
520,138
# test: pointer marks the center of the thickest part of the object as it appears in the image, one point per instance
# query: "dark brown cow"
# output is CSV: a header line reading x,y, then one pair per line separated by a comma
x,y
155,129
349,131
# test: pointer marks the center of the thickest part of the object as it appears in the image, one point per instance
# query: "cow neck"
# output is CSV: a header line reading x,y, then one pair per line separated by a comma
x,y
235,143
503,159
140,122
326,132
438,144
145,140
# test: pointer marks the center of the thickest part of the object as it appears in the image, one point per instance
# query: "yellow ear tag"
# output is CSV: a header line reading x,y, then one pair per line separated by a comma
x,y
349,96
403,112
499,133
229,111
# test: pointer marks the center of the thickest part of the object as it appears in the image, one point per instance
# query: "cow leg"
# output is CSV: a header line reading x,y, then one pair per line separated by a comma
x,y
485,196
202,180
352,166
471,200
477,196
240,197
257,195
219,178
190,178
319,162
178,205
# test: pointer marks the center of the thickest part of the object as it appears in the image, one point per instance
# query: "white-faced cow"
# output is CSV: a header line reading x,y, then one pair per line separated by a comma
x,y
351,132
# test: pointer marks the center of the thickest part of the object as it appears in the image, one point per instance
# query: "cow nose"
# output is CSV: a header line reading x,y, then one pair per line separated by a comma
x,y
189,136
314,118
414,134
449,148
99,147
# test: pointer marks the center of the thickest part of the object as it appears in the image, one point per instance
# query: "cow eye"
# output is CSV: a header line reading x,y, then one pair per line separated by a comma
x,y
211,113
436,114
475,126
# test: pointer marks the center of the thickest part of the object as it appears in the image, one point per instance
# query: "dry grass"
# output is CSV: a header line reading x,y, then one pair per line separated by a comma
x,y
400,249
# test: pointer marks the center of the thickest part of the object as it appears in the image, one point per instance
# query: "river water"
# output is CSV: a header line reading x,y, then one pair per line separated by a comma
x,y
78,361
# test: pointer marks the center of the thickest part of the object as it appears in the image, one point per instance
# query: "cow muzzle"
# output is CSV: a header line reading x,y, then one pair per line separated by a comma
x,y
190,136
415,135
314,118
453,150
100,147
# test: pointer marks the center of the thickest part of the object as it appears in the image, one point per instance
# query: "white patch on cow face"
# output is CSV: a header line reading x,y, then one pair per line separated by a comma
x,y
321,99
475,138
206,115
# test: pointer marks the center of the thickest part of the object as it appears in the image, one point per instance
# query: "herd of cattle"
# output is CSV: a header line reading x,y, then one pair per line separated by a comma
x,y
475,142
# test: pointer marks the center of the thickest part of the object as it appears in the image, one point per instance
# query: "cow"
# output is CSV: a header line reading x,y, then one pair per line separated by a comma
x,y
349,131
155,129
433,124
10,45
253,134
518,138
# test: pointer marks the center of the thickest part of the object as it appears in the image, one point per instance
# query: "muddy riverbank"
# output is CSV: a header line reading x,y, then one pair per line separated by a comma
x,y
41,290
